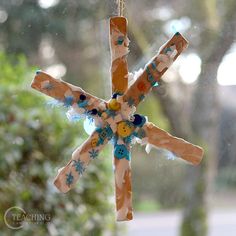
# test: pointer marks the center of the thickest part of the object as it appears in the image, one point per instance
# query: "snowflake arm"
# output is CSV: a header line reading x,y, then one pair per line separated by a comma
x,y
119,71
81,158
66,93
119,49
155,69
181,148
123,191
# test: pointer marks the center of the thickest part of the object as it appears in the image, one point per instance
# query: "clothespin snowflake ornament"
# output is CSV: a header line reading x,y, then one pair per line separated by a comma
x,y
116,119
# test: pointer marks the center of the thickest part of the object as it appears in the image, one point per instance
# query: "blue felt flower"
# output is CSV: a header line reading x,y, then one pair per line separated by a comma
x,y
93,153
69,179
130,101
79,166
141,97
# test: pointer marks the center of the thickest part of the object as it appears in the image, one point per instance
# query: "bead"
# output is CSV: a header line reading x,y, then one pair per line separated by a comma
x,y
115,95
139,120
82,97
114,105
94,111
123,129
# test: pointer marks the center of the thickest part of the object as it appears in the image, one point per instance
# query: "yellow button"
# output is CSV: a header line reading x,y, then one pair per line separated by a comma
x,y
123,129
94,142
114,105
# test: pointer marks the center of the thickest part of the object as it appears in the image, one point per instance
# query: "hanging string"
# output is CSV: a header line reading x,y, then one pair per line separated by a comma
x,y
121,7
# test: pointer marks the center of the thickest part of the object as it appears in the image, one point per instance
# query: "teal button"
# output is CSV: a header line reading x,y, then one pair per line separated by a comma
x,y
121,152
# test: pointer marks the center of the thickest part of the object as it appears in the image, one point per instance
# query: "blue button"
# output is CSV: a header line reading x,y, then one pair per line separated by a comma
x,y
121,152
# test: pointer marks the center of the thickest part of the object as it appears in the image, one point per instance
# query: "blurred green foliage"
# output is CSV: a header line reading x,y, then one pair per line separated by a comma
x,y
36,140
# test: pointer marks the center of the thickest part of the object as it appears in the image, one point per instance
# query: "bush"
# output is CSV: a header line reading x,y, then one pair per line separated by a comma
x,y
35,141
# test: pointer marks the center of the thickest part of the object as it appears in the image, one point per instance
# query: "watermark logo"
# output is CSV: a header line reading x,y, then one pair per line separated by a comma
x,y
15,218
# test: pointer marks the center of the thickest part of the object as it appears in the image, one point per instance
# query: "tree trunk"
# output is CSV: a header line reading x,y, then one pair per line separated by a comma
x,y
205,125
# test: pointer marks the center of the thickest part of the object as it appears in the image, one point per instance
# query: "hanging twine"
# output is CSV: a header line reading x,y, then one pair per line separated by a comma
x,y
121,7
